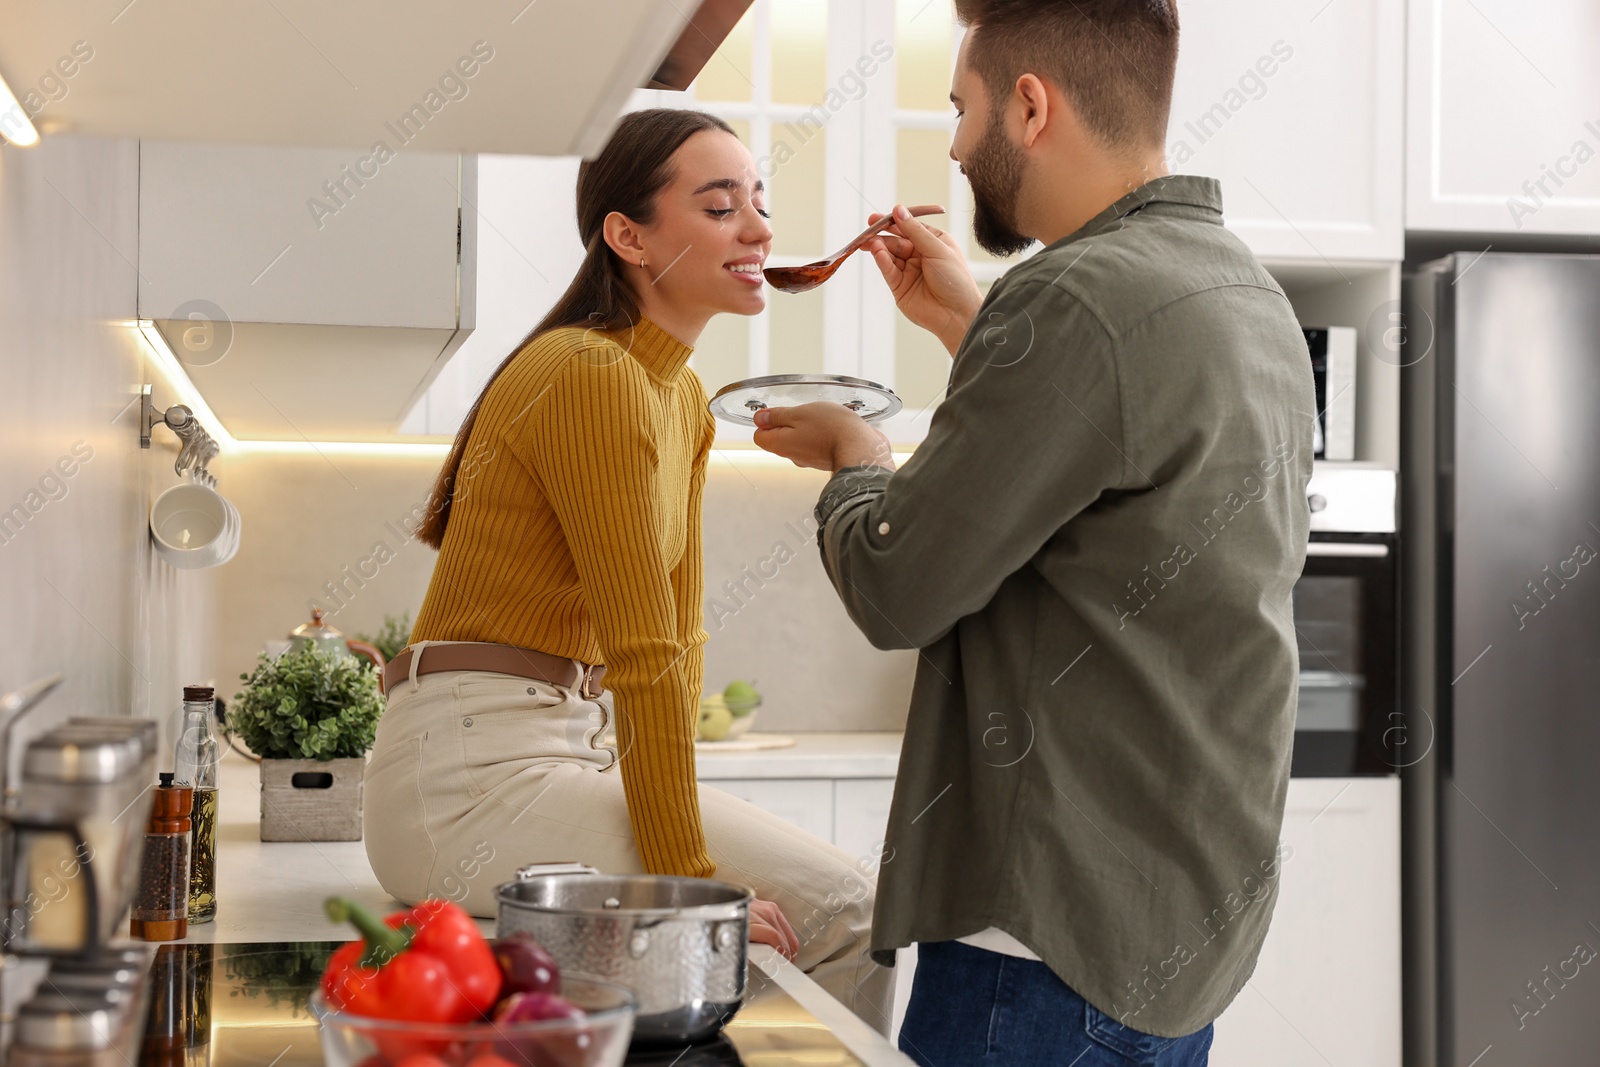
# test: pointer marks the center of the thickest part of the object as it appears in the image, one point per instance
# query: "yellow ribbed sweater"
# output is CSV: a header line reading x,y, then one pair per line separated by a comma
x,y
575,530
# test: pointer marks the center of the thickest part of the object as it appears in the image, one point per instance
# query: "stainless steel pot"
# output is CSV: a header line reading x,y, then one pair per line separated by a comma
x,y
681,944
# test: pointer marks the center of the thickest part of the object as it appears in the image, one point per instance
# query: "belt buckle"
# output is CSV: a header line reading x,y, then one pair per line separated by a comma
x,y
586,684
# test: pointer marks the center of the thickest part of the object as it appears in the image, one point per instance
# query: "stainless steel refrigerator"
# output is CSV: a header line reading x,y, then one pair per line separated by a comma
x,y
1500,437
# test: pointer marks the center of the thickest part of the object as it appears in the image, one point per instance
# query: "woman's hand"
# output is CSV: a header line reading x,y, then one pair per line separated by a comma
x,y
768,926
927,273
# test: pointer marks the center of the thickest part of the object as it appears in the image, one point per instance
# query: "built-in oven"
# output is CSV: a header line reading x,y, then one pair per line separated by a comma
x,y
1346,618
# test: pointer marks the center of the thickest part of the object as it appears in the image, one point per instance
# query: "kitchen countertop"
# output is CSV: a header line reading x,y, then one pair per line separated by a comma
x,y
273,891
814,755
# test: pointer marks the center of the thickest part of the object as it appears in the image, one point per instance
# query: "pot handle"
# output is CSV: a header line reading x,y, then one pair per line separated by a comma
x,y
533,870
369,651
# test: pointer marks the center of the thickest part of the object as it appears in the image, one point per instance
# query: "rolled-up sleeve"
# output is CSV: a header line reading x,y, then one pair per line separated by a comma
x,y
1030,434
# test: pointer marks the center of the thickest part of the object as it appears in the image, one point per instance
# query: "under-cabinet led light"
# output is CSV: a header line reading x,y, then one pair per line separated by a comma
x,y
172,370
15,125
391,449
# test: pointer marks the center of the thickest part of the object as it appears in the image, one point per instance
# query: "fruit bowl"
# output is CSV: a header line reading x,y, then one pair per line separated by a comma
x,y
599,1039
720,720
741,724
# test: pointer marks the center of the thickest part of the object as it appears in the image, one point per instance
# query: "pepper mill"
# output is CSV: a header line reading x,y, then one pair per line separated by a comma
x,y
161,906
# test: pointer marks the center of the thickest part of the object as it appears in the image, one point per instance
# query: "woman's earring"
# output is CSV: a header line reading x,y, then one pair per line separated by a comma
x,y
641,261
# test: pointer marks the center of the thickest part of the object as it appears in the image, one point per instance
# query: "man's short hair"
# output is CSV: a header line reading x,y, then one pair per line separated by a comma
x,y
1114,59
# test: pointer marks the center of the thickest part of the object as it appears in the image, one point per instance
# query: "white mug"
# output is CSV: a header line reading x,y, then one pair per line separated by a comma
x,y
194,527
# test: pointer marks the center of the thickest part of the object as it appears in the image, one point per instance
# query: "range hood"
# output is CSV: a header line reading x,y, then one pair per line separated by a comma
x,y
541,77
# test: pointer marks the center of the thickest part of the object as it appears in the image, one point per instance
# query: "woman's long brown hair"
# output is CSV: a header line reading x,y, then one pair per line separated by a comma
x,y
627,175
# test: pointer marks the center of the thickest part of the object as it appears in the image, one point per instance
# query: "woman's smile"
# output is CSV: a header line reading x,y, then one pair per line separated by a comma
x,y
747,269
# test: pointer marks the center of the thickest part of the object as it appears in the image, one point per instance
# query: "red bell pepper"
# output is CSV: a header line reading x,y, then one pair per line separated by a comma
x,y
426,965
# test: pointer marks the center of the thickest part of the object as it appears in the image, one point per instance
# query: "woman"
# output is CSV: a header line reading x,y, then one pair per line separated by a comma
x,y
567,519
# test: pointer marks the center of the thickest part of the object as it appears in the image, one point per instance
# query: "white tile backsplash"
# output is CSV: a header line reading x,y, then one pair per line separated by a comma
x,y
307,518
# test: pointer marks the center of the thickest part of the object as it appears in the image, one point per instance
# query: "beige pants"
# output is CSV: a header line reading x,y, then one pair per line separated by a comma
x,y
475,774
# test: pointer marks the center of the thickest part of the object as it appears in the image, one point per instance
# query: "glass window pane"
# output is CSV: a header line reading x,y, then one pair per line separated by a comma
x,y
921,365
740,127
799,51
923,54
727,73
922,169
795,322
722,354
795,180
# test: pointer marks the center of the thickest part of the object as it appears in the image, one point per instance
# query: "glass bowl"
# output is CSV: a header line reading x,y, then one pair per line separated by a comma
x,y
741,721
741,724
600,1039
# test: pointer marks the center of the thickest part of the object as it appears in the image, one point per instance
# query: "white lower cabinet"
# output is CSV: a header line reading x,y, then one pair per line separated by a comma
x,y
805,802
1326,990
861,815
849,812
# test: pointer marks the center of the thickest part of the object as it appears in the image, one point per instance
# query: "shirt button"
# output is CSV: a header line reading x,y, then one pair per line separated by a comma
x,y
466,722
532,691
883,528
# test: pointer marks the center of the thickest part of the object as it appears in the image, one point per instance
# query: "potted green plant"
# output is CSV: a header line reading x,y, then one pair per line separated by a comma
x,y
311,715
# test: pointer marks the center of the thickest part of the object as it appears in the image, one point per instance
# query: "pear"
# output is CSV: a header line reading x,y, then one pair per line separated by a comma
x,y
715,719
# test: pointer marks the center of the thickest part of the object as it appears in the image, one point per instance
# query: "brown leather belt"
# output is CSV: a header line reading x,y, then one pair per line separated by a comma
x,y
501,659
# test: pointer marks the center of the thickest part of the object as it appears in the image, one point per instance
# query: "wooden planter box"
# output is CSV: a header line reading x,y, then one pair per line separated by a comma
x,y
311,800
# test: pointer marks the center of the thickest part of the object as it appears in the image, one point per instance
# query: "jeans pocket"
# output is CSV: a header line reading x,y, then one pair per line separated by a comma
x,y
1139,1047
503,724
394,817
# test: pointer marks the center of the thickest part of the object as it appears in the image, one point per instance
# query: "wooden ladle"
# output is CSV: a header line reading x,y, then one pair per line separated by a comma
x,y
807,277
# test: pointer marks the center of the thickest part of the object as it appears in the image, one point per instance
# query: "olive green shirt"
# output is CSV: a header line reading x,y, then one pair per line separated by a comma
x,y
1094,549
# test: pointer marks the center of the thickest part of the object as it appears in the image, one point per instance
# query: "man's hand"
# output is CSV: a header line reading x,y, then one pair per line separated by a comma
x,y
927,272
822,435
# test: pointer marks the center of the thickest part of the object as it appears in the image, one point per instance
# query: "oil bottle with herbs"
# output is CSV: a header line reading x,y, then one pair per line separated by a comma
x,y
195,765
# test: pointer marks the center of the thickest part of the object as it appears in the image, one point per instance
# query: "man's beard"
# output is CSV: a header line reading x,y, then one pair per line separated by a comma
x,y
994,170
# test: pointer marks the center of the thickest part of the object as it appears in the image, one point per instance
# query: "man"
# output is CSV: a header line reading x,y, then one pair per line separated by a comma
x,y
1094,548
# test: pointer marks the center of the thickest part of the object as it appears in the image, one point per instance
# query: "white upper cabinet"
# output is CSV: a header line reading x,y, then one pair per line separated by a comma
x,y
308,293
1296,107
521,77
1503,117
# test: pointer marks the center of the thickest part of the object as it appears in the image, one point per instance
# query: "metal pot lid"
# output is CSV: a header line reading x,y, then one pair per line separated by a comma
x,y
739,401
316,630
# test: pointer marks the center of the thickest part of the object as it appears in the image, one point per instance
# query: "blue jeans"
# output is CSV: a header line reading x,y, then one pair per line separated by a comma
x,y
972,1006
